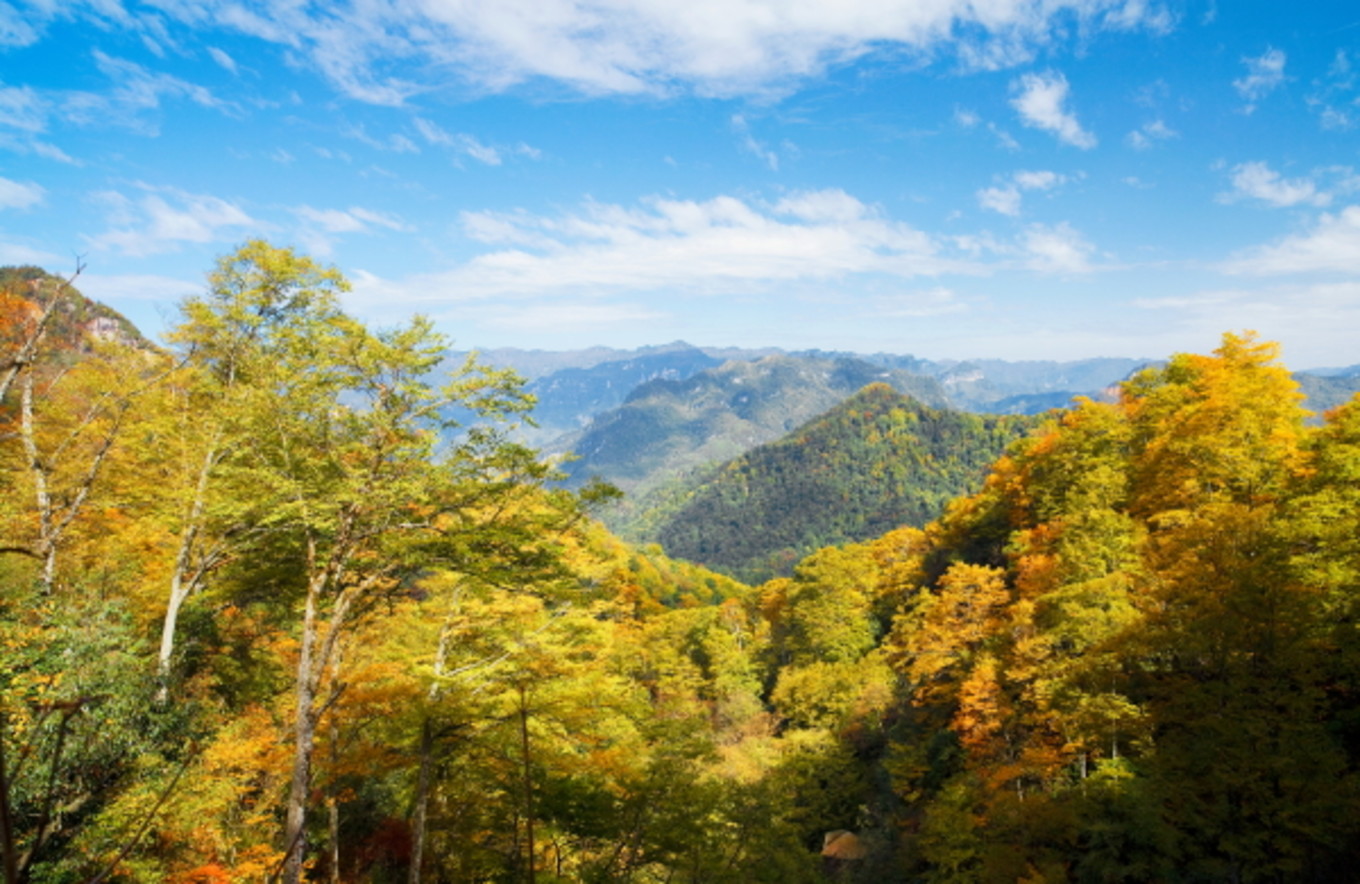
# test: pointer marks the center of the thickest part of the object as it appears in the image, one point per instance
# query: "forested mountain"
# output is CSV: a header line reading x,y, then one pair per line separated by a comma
x,y
877,461
262,620
73,324
668,428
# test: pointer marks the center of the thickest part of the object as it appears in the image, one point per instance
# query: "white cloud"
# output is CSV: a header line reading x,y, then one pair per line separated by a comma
x,y
1336,96
23,109
1259,181
1041,180
909,305
719,245
354,220
1149,134
226,62
164,217
396,142
1315,321
576,316
19,194
135,91
1006,198
749,143
26,112
15,30
318,225
1056,249
710,47
461,143
20,253
136,287
1041,101
1330,246
1264,74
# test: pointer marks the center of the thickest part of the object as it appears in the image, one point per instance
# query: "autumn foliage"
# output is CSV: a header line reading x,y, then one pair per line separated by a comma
x,y
266,613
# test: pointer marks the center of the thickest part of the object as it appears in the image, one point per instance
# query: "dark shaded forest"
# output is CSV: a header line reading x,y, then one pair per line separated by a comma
x,y
268,614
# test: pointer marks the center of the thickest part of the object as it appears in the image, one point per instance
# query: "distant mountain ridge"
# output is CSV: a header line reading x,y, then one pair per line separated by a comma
x,y
666,427
569,398
570,383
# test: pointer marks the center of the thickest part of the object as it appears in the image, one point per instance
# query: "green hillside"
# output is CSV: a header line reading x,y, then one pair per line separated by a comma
x,y
878,461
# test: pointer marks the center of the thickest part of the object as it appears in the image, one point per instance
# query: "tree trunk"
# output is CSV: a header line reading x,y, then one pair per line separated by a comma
x,y
528,782
7,847
422,799
181,585
179,591
304,740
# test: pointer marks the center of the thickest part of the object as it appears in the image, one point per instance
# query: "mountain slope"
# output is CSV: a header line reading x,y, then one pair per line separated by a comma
x,y
570,397
77,320
669,428
876,462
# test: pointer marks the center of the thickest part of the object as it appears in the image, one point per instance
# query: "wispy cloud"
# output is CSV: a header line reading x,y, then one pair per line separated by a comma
x,y
20,194
1006,198
714,246
1057,249
461,143
915,304
22,253
1149,134
135,91
134,94
319,226
648,46
163,218
1336,97
1264,74
1260,182
1041,101
136,287
1330,246
226,62
749,143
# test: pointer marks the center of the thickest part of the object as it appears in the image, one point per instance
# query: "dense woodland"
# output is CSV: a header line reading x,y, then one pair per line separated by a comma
x,y
878,461
266,615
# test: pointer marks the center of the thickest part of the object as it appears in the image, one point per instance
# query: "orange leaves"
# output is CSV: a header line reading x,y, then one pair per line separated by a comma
x,y
211,873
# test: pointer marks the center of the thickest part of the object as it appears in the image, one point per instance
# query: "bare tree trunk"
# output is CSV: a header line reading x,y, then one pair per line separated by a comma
x,y
56,512
46,546
182,583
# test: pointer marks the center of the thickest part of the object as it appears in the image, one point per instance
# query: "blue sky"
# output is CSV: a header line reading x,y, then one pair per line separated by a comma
x,y
1023,179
